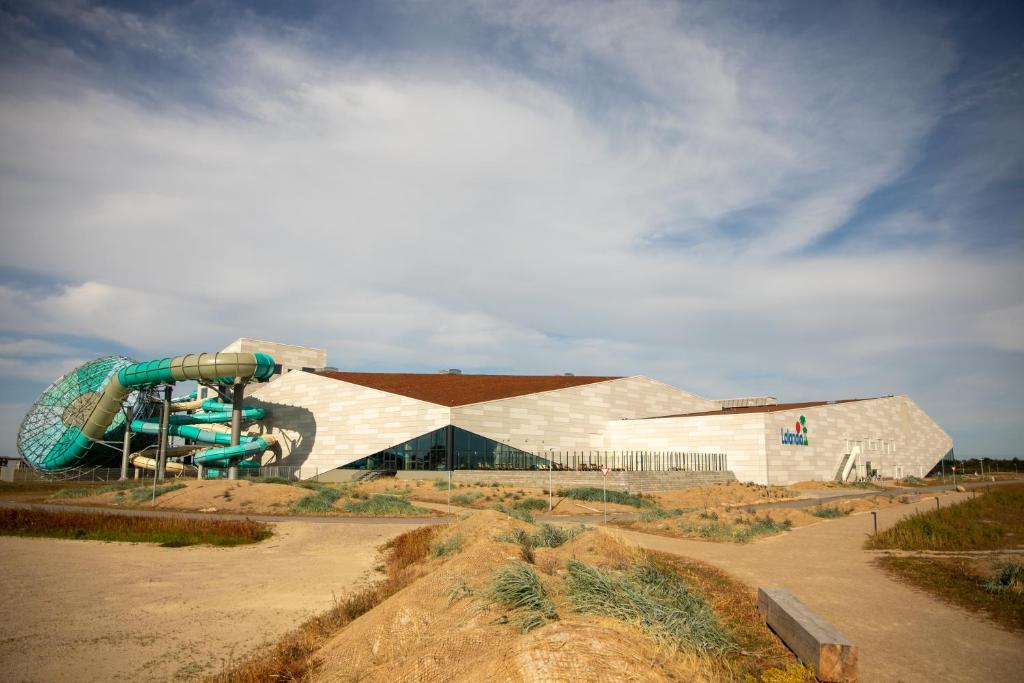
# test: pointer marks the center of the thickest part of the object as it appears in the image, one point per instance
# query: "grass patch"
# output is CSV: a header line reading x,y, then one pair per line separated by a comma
x,y
592,493
992,521
653,598
321,501
143,494
467,498
382,504
443,484
84,491
530,504
293,658
547,536
829,512
659,513
1008,577
744,530
956,580
171,532
517,587
516,513
449,547
272,480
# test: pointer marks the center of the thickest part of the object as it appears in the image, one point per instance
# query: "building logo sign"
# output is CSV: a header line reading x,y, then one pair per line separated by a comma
x,y
797,438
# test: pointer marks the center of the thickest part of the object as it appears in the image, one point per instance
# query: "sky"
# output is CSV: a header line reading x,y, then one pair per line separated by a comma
x,y
807,200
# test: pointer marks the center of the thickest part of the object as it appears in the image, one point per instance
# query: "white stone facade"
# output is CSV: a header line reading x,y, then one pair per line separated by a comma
x,y
322,423
893,434
575,418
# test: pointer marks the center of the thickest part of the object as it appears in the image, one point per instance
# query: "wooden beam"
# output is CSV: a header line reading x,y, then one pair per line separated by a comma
x,y
816,642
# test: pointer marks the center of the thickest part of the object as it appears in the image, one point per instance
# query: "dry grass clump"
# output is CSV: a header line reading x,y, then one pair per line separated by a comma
x,y
517,587
85,491
294,656
144,494
170,532
973,584
991,521
652,597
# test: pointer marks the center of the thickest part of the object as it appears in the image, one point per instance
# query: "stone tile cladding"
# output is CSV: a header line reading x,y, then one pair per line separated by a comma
x,y
882,425
894,433
322,423
576,418
287,355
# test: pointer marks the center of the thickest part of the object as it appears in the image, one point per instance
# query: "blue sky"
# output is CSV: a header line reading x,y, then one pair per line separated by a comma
x,y
809,200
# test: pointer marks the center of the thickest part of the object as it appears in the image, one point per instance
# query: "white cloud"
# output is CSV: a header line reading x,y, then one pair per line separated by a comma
x,y
486,213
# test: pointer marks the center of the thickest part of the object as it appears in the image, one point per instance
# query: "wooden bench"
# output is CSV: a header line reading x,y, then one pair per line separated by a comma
x,y
816,642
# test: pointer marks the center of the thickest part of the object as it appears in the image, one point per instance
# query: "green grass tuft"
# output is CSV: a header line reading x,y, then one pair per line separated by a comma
x,y
530,504
593,493
382,504
442,484
467,498
320,501
82,492
1008,577
143,494
653,598
517,587
548,536
661,513
449,547
828,512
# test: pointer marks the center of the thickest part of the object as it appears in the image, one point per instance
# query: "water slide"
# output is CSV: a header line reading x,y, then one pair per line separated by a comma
x,y
86,407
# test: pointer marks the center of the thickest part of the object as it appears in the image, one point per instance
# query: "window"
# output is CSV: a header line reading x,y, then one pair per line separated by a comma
x,y
430,452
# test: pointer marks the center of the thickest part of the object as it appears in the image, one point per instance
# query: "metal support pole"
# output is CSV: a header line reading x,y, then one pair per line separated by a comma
x,y
237,394
874,520
936,502
165,418
127,447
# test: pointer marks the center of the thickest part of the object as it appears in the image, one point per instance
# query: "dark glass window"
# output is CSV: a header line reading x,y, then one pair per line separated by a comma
x,y
430,452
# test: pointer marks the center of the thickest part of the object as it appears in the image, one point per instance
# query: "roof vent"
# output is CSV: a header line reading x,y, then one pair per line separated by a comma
x,y
450,371
568,374
328,368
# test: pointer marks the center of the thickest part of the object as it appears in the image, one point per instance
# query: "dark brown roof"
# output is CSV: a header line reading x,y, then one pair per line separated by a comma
x,y
460,390
762,409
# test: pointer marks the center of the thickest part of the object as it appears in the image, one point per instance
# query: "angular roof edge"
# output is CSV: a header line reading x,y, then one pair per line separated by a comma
x,y
460,390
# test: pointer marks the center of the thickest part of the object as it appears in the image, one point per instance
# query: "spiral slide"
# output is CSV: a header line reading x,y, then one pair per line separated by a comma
x,y
86,407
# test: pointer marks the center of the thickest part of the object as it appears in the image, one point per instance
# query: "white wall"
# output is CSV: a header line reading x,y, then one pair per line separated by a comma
x,y
323,423
894,432
575,418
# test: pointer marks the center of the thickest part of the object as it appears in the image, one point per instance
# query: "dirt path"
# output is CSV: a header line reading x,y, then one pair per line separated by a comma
x,y
903,634
91,611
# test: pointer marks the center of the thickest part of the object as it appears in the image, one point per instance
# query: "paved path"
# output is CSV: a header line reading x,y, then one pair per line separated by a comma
x,y
903,634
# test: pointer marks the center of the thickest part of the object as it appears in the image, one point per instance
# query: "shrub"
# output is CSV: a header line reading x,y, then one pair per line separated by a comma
x,y
548,536
595,494
84,491
143,494
1008,577
661,513
515,513
448,547
517,587
320,501
826,512
653,598
531,504
467,498
383,504
171,532
272,480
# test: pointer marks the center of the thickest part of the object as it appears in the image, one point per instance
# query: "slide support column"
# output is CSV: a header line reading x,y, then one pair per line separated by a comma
x,y
127,448
165,418
237,394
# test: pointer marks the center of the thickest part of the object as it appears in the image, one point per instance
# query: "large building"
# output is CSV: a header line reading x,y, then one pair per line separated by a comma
x,y
324,419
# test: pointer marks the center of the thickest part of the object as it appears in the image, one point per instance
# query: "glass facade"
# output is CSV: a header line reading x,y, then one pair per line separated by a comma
x,y
430,452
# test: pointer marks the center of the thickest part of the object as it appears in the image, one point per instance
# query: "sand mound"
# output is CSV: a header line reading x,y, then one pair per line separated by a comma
x,y
443,628
720,495
213,495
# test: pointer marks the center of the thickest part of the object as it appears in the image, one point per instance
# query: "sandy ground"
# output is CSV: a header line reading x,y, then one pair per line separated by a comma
x,y
903,634
92,611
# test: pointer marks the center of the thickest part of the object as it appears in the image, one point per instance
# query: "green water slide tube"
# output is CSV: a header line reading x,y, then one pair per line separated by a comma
x,y
58,434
